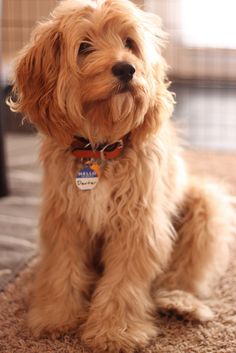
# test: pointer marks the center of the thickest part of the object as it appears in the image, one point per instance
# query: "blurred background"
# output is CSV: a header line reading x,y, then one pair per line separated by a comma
x,y
202,58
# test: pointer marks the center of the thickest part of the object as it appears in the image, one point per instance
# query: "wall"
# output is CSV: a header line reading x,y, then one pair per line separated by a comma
x,y
19,17
189,62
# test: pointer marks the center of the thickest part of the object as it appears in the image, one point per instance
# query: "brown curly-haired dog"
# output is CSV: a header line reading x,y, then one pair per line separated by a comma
x,y
146,236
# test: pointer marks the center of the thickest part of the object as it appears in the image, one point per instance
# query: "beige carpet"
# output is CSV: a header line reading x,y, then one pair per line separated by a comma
x,y
175,336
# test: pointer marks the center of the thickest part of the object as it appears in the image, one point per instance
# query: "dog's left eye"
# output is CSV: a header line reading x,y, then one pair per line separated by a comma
x,y
129,43
85,48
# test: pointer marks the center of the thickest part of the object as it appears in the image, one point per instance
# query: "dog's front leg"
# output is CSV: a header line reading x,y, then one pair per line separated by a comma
x,y
120,316
62,281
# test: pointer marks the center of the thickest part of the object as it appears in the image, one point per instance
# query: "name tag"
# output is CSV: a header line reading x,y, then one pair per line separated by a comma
x,y
87,177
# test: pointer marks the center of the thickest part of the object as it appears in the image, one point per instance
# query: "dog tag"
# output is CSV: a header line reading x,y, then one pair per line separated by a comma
x,y
88,176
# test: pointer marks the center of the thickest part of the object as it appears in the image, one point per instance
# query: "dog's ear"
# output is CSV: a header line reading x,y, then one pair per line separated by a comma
x,y
36,74
155,36
155,39
162,99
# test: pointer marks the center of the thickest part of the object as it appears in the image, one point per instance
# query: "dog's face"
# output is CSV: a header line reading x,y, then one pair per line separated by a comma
x,y
94,70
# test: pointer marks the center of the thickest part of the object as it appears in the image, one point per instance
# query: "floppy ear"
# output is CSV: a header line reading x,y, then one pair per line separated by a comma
x,y
161,106
36,74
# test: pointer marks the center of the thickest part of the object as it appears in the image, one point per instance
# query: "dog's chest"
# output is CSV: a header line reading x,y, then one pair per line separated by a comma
x,y
93,205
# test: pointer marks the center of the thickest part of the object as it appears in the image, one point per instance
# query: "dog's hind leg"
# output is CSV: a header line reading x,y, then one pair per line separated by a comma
x,y
201,252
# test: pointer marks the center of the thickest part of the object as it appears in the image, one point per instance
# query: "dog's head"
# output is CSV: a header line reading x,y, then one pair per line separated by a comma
x,y
94,69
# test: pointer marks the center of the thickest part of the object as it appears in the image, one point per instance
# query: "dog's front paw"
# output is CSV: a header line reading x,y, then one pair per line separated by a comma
x,y
41,324
110,342
53,323
109,338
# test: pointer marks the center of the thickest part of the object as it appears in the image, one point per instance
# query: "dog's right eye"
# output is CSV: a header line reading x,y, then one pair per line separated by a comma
x,y
85,48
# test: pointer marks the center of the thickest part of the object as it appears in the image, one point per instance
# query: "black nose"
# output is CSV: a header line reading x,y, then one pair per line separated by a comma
x,y
123,70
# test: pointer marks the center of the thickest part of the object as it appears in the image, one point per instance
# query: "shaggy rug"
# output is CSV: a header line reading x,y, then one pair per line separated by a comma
x,y
175,335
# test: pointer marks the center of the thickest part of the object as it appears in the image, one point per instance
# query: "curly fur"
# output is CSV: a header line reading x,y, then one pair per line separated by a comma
x,y
148,236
